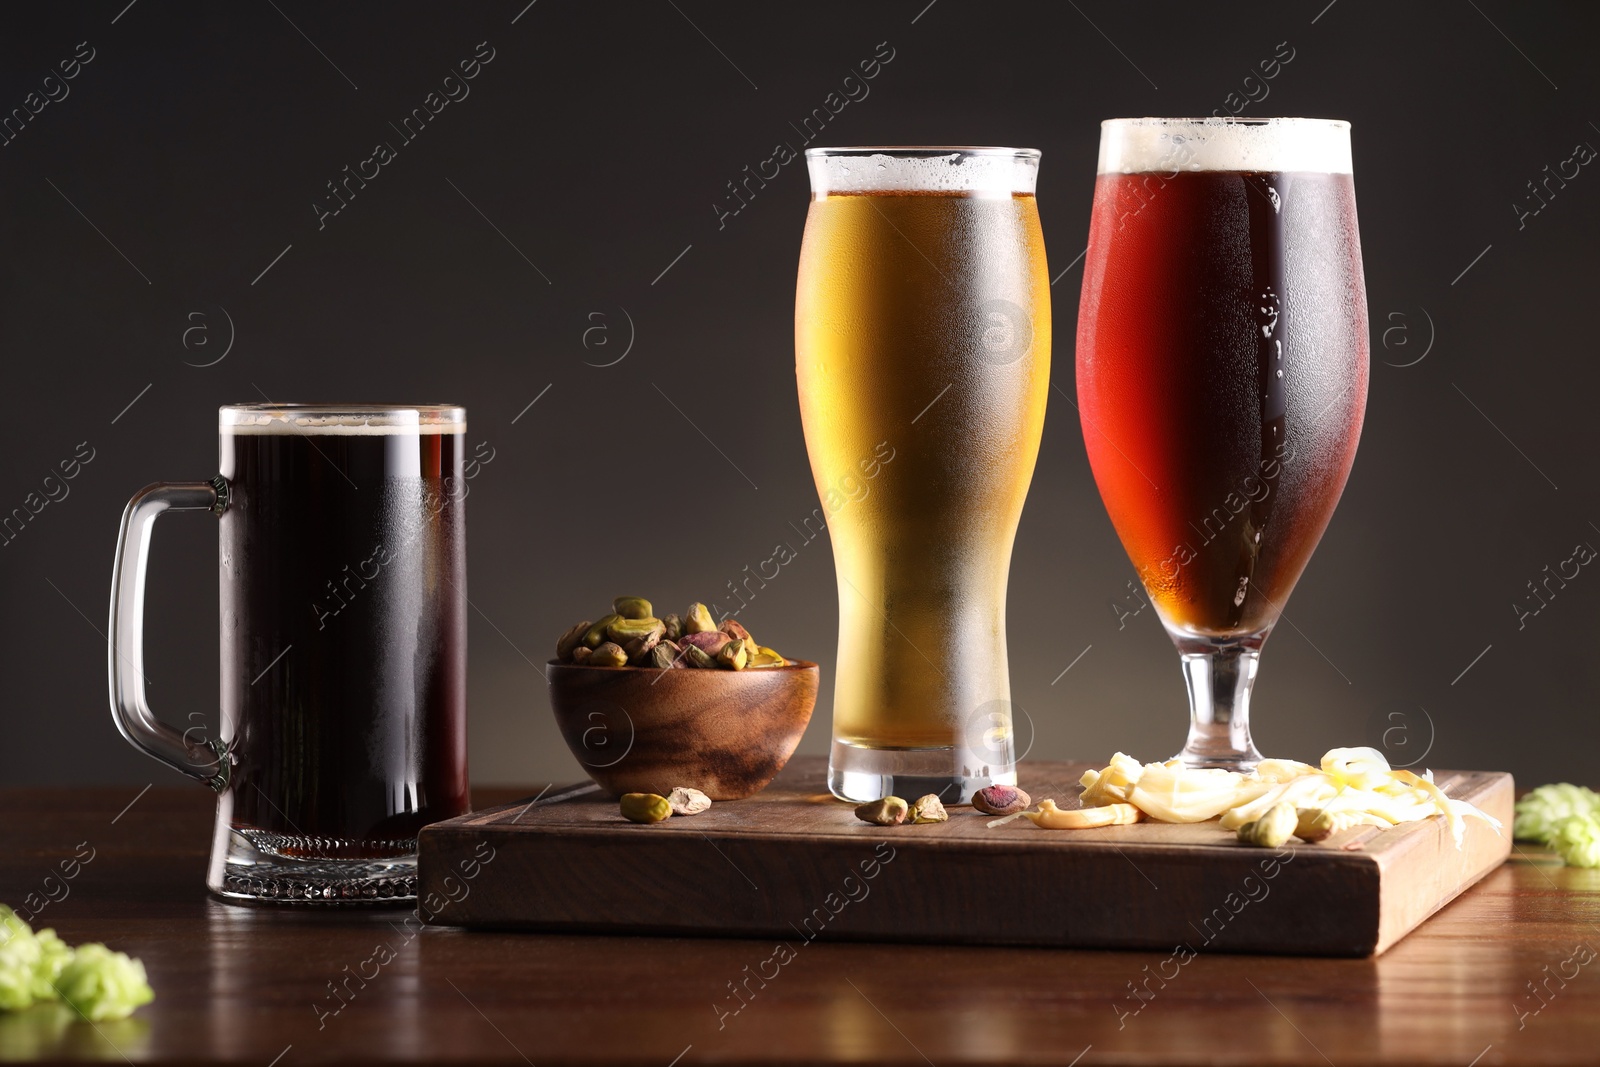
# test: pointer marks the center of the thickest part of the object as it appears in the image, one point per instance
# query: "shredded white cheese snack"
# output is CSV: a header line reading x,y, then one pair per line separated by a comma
x,y
1355,785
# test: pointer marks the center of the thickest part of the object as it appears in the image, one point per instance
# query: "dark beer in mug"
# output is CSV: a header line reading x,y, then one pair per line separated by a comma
x,y
344,668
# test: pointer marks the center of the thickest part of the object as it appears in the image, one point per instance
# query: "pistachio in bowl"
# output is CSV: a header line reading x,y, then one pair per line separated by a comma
x,y
632,636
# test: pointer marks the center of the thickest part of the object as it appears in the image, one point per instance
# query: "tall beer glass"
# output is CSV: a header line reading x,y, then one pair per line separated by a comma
x,y
922,343
1222,378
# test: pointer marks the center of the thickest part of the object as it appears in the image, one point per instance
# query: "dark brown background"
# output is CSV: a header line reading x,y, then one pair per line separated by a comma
x,y
597,142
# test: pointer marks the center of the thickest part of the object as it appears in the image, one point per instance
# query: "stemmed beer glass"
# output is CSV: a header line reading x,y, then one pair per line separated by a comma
x,y
922,349
1222,378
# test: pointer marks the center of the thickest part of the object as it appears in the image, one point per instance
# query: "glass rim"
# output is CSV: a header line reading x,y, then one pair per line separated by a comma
x,y
971,171
269,417
1156,144
923,151
1226,120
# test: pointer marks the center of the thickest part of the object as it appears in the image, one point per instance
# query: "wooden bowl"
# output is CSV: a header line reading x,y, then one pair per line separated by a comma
x,y
648,730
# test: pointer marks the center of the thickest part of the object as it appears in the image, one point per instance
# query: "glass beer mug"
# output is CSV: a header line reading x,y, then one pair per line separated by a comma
x,y
343,615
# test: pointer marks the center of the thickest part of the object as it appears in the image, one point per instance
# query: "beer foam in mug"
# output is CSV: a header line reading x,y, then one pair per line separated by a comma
x,y
1156,145
974,171
351,421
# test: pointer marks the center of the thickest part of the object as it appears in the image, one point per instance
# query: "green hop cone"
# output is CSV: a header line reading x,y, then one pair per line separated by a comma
x,y
1577,838
11,925
54,955
19,961
1541,812
100,984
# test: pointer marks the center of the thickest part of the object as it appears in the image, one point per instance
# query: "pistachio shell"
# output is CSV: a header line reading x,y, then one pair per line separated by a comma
x,y
733,656
639,647
665,655
686,801
889,811
928,808
570,640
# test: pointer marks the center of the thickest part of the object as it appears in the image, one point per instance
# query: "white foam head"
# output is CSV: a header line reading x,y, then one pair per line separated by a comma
x,y
980,172
341,420
1155,145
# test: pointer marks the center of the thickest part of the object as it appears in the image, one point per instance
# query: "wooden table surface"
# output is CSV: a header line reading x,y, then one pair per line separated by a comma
x,y
1506,974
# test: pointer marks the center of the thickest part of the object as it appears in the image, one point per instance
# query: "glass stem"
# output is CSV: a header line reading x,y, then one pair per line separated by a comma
x,y
1220,677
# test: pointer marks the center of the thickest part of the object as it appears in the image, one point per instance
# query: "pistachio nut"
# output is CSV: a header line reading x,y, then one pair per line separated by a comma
x,y
1001,800
645,807
635,634
686,801
699,620
1273,829
765,657
624,630
1313,824
665,655
597,632
632,607
927,808
571,640
695,656
708,641
609,654
733,655
639,647
890,811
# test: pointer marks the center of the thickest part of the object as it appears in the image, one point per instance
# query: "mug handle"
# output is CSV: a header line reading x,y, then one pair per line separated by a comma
x,y
206,761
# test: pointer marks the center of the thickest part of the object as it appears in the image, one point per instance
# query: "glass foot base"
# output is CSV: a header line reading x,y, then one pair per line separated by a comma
x,y
860,774
252,869
1242,762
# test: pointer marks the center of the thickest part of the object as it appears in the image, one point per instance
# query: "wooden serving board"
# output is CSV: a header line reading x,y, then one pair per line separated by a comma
x,y
794,864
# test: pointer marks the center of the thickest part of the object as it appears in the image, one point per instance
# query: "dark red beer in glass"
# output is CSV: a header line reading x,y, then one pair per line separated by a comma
x,y
1222,378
